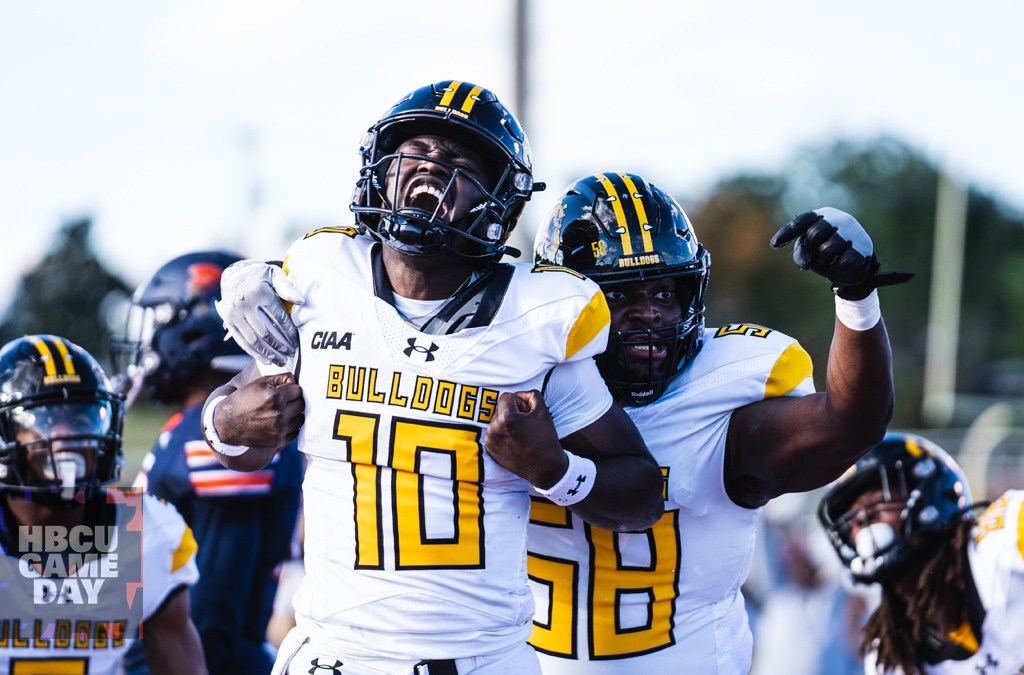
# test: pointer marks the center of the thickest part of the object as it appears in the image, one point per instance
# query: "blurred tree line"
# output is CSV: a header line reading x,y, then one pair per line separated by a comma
x,y
890,187
68,293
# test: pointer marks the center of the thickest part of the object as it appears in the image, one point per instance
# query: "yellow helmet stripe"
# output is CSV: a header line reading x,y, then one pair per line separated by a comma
x,y
65,357
913,448
965,637
449,94
44,351
641,213
470,101
620,216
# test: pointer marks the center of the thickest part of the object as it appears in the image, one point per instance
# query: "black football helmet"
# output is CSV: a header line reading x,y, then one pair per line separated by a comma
x,y
471,115
60,420
618,228
918,483
173,331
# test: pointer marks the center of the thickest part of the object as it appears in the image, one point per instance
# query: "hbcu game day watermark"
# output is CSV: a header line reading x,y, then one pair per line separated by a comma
x,y
77,587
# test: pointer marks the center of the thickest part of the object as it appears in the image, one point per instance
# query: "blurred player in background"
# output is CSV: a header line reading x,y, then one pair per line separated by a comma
x,y
245,523
952,584
729,413
69,576
415,342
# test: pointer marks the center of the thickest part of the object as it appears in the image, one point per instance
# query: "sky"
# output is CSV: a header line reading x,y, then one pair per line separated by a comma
x,y
194,124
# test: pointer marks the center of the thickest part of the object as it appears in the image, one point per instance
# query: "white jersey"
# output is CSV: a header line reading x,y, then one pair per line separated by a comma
x,y
85,621
666,600
996,558
415,539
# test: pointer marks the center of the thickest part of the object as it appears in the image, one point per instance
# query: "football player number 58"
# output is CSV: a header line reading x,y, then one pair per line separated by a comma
x,y
652,587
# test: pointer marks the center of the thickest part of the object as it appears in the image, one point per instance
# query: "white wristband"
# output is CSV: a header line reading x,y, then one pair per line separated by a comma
x,y
859,314
575,484
213,438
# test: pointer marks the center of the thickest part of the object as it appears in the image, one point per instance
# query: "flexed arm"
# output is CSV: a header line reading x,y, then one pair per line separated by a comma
x,y
794,444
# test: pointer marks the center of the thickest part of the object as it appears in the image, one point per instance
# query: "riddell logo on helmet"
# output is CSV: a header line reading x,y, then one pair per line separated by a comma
x,y
638,260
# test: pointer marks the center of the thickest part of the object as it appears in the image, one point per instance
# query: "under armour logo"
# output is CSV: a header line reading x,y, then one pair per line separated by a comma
x,y
335,669
428,352
580,480
983,667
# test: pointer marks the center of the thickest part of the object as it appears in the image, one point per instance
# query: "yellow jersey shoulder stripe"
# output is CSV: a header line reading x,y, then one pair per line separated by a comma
x,y
791,368
187,548
594,318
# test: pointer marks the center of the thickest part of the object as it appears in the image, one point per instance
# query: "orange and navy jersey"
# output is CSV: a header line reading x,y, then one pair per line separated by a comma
x,y
244,524
182,466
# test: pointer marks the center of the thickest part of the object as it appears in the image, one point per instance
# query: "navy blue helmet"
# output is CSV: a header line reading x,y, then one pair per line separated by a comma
x,y
60,419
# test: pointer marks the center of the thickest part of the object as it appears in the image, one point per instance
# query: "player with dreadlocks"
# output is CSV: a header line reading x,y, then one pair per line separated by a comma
x,y
952,584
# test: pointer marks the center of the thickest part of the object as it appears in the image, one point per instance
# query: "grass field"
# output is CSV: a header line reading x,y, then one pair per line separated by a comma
x,y
141,426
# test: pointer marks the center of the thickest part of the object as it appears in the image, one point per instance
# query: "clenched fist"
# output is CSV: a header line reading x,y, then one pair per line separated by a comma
x,y
522,438
265,413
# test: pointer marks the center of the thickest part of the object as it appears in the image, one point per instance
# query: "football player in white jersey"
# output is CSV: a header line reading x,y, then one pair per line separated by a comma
x,y
730,415
74,555
952,600
414,341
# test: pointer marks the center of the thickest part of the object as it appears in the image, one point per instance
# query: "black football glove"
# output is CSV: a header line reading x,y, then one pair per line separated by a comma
x,y
833,244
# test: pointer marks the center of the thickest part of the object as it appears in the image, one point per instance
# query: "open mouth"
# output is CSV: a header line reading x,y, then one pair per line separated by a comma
x,y
649,352
426,198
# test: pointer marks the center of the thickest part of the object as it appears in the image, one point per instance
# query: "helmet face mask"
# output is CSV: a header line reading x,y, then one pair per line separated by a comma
x,y
173,332
61,442
460,113
617,228
893,505
60,420
448,208
672,346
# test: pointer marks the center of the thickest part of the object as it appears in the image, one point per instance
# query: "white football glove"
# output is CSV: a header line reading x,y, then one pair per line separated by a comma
x,y
253,294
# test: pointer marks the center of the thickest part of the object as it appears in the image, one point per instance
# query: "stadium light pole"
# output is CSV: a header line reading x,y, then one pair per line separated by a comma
x,y
938,402
522,237
519,62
